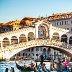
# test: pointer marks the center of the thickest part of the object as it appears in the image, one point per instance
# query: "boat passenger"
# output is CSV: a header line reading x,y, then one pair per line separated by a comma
x,y
6,70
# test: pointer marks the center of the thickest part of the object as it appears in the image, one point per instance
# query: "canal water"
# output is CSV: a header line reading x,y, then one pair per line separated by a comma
x,y
4,65
9,64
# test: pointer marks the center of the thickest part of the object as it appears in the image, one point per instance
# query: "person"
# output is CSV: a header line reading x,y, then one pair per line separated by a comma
x,y
12,69
67,65
6,70
42,59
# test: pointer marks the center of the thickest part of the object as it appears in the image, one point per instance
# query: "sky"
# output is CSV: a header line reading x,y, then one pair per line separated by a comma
x,y
18,9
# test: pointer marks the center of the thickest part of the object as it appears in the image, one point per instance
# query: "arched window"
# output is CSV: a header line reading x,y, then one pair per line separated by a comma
x,y
55,36
64,38
6,42
44,50
14,40
22,38
31,36
43,31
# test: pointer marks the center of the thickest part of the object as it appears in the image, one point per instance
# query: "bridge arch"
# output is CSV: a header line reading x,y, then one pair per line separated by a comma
x,y
55,36
47,48
64,38
70,40
31,36
5,42
14,40
43,31
22,38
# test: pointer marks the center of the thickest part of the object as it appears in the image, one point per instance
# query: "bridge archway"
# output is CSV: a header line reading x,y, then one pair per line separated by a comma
x,y
70,40
31,36
55,36
47,48
64,38
6,42
43,31
14,40
22,38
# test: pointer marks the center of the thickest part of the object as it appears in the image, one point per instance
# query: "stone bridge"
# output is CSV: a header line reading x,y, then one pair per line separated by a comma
x,y
9,51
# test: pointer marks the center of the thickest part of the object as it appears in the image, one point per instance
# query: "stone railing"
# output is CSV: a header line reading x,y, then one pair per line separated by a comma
x,y
13,49
16,31
37,42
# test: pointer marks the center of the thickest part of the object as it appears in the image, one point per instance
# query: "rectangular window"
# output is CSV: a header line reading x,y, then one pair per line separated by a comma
x,y
62,22
65,22
71,29
71,22
37,49
32,49
57,23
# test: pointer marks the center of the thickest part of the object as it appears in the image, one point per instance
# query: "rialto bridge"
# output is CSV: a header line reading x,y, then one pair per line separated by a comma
x,y
41,34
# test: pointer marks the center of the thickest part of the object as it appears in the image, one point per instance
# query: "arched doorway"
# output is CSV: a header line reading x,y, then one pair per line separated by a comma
x,y
43,31
22,38
6,42
64,38
70,40
31,36
14,40
55,36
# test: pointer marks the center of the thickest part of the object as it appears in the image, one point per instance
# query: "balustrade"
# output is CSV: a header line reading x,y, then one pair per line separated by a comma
x,y
32,43
20,30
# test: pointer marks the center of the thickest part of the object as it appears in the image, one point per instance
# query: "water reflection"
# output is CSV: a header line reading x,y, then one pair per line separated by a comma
x,y
4,65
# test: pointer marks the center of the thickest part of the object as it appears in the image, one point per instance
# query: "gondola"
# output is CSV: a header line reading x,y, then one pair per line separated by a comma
x,y
24,68
19,67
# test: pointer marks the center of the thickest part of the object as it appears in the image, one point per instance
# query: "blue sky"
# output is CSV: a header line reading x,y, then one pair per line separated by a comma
x,y
18,9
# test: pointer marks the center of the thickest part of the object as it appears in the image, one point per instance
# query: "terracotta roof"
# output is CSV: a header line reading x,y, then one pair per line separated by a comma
x,y
60,16
10,23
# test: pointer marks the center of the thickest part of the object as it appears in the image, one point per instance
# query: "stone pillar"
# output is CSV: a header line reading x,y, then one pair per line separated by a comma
x,y
10,41
18,40
27,38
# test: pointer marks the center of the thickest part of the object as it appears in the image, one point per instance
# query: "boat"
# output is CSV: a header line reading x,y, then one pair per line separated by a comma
x,y
24,68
